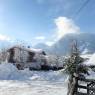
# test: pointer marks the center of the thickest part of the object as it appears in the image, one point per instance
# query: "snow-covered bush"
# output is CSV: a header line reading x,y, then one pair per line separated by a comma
x,y
54,60
3,55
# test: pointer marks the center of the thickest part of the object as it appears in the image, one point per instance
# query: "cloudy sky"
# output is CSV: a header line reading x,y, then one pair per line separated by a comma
x,y
44,21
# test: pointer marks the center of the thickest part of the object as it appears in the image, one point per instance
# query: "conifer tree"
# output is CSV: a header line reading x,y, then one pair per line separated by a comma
x,y
75,68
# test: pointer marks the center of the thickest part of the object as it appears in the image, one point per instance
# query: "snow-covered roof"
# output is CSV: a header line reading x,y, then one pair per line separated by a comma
x,y
28,49
36,50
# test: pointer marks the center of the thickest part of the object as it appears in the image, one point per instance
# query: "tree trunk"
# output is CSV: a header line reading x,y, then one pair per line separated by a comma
x,y
72,85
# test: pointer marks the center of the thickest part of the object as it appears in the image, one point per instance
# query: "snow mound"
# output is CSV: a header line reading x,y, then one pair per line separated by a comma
x,y
9,72
91,75
48,76
91,60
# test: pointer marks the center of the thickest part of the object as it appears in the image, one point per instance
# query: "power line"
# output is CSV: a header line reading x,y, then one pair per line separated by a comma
x,y
81,8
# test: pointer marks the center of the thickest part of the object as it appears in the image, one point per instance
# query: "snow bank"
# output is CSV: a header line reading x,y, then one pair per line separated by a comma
x,y
6,70
49,76
91,75
9,72
91,60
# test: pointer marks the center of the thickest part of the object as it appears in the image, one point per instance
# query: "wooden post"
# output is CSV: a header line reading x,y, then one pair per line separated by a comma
x,y
72,86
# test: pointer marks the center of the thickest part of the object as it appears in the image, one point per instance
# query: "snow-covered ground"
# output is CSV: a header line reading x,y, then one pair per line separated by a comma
x,y
10,87
25,82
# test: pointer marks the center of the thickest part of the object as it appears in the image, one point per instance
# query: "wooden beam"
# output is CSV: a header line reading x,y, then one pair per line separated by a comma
x,y
79,93
87,80
81,86
85,87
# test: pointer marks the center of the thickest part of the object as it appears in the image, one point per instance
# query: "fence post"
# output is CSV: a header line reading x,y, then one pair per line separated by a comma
x,y
72,86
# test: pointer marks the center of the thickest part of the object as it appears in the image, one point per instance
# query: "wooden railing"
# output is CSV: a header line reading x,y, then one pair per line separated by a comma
x,y
90,87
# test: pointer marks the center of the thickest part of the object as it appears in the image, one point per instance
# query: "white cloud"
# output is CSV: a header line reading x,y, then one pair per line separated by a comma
x,y
4,38
40,38
65,26
49,43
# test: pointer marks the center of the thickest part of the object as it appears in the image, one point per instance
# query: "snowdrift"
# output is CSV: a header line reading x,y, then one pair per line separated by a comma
x,y
9,72
91,60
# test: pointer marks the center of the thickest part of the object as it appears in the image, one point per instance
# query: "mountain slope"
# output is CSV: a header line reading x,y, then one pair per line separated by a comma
x,y
86,42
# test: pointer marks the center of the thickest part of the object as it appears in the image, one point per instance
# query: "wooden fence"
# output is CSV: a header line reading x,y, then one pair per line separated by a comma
x,y
89,87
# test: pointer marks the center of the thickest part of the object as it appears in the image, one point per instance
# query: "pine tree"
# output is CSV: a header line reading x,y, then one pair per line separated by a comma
x,y
75,68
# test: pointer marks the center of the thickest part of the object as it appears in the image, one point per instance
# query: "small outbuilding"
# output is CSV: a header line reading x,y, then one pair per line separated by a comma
x,y
25,57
